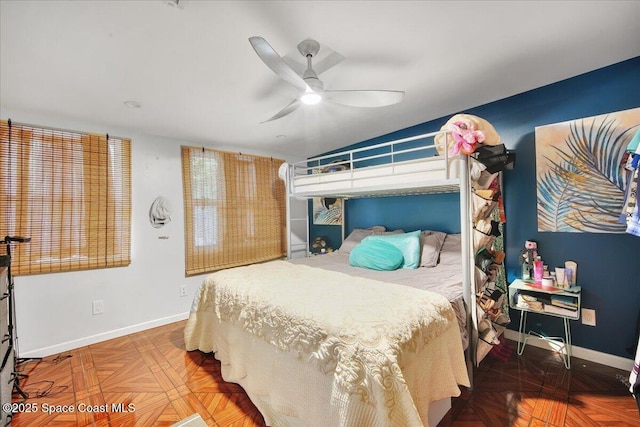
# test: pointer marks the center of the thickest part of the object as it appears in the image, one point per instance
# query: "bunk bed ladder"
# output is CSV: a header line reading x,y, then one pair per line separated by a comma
x,y
297,225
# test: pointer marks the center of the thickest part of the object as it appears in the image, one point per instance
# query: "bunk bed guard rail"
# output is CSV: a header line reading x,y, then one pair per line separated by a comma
x,y
404,166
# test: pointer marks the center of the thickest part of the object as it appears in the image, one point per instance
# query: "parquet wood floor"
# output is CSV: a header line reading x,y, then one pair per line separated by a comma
x,y
148,379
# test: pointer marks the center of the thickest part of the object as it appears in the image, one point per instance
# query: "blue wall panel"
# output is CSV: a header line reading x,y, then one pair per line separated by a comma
x,y
607,263
418,213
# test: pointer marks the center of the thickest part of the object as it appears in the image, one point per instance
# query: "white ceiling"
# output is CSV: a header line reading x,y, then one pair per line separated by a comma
x,y
199,80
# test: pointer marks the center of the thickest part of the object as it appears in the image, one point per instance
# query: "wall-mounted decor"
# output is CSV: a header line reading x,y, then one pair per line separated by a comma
x,y
160,212
327,211
581,179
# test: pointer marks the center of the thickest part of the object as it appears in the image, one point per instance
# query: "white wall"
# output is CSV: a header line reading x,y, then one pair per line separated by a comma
x,y
54,311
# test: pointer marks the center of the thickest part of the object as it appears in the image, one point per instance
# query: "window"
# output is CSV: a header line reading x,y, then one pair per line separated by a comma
x,y
234,209
70,193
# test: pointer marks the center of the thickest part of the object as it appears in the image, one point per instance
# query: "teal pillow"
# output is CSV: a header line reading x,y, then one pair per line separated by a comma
x,y
407,243
376,255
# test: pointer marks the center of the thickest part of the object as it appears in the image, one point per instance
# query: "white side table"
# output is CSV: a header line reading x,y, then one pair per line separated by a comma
x,y
556,302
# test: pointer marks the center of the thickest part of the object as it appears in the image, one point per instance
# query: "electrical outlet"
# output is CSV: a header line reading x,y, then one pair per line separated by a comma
x,y
98,307
588,317
183,290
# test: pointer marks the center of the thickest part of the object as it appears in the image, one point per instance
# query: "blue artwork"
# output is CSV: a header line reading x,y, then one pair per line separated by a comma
x,y
327,211
581,174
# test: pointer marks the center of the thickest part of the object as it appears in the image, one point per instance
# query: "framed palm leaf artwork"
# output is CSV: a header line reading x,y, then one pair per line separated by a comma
x,y
581,178
327,211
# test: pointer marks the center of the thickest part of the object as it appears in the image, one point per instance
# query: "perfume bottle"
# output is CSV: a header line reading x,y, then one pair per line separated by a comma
x,y
538,271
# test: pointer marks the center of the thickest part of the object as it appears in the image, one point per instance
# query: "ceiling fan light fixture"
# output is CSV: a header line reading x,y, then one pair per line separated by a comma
x,y
311,98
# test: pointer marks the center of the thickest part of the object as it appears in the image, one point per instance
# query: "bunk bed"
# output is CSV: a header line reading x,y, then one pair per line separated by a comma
x,y
313,344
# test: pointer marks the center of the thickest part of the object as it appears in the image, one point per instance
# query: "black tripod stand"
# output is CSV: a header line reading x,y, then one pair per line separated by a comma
x,y
11,335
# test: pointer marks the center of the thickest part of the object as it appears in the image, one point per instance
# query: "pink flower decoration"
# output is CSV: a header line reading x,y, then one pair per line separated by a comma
x,y
465,137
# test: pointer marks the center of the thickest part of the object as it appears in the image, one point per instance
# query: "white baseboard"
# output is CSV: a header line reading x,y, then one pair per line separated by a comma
x,y
580,352
104,336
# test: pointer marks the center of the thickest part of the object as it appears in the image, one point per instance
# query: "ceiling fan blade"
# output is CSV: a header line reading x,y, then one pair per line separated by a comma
x,y
330,61
295,66
274,61
286,110
364,98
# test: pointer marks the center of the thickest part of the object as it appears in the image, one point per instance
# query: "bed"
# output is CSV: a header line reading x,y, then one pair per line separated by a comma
x,y
316,342
315,346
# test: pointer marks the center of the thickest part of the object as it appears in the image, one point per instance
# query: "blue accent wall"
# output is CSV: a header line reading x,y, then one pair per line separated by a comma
x,y
608,264
418,213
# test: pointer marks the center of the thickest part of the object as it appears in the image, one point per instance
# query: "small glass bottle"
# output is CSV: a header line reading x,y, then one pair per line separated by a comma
x,y
526,270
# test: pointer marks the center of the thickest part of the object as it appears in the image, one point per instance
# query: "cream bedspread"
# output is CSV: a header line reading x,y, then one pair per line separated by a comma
x,y
444,279
361,334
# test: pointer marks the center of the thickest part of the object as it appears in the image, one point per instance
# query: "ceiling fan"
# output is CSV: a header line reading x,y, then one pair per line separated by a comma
x,y
310,87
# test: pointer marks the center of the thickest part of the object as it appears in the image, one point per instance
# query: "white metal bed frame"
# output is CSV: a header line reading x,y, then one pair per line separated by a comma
x,y
427,174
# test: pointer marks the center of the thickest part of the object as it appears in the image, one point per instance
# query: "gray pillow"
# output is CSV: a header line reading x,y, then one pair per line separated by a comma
x,y
431,243
451,252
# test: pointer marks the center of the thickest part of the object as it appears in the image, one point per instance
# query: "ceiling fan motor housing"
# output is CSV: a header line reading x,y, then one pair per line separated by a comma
x,y
308,47
313,82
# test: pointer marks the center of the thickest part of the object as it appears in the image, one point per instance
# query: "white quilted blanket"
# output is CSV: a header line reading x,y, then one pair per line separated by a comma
x,y
359,331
